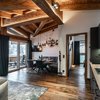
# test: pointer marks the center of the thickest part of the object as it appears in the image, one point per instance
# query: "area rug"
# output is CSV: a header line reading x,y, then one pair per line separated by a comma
x,y
20,91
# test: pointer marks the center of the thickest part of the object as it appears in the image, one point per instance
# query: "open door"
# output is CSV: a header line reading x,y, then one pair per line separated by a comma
x,y
75,53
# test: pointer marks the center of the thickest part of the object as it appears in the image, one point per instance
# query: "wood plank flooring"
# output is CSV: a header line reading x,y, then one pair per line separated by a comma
x,y
59,88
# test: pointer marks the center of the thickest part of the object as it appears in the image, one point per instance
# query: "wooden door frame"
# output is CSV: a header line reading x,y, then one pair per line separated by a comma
x,y
67,65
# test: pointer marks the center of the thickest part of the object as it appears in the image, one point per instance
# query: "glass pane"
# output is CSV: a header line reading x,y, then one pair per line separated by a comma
x,y
12,55
82,46
22,54
82,58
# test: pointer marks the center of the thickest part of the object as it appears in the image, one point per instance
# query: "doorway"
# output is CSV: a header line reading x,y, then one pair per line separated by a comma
x,y
76,52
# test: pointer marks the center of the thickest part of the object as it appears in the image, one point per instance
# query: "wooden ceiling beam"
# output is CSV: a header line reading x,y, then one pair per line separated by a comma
x,y
49,25
29,11
17,4
12,32
47,29
3,31
40,27
31,17
50,28
34,25
26,29
31,27
14,37
47,7
17,12
21,31
82,6
0,23
4,14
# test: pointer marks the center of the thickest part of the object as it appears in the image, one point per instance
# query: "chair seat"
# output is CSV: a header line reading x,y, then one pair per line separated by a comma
x,y
30,65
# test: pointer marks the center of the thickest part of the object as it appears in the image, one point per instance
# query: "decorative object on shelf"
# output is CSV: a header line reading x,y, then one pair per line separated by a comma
x,y
39,46
36,48
50,42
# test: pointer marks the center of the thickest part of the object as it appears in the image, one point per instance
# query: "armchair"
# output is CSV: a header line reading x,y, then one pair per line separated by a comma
x,y
3,89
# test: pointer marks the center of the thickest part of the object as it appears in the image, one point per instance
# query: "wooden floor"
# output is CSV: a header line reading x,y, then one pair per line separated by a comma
x,y
59,88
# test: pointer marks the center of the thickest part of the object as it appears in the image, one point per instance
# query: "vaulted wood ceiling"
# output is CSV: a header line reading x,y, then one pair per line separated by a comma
x,y
22,18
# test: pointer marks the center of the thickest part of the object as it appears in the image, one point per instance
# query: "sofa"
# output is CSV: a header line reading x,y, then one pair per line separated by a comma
x,y
3,89
53,67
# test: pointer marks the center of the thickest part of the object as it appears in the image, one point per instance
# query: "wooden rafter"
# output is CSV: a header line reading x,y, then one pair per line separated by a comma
x,y
31,27
27,18
0,23
47,29
49,23
4,14
17,4
34,25
21,31
3,31
40,27
17,12
29,11
14,37
82,6
26,29
52,24
13,32
47,7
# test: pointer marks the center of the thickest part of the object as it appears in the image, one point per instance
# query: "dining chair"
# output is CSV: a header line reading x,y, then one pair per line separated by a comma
x,y
40,65
31,66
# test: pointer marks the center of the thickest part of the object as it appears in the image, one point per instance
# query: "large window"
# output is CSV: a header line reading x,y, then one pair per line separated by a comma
x,y
12,55
12,48
23,54
17,55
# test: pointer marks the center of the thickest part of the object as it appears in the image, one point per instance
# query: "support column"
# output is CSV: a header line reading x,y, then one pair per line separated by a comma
x,y
18,55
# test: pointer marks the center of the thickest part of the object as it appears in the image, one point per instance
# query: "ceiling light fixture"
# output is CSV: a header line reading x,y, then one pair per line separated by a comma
x,y
55,5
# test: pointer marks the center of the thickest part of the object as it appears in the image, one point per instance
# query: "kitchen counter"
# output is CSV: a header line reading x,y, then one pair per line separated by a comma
x,y
96,75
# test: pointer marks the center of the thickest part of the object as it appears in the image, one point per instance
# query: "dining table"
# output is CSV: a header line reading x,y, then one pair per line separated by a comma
x,y
42,64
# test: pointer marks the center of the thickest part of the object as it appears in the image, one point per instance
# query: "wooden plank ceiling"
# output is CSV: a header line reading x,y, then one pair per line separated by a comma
x,y
79,4
22,18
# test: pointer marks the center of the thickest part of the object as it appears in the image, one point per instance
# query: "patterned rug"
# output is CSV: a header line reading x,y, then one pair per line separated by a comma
x,y
20,91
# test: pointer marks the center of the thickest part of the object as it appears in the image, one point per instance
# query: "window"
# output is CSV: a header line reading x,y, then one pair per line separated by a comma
x,y
12,55
17,55
82,51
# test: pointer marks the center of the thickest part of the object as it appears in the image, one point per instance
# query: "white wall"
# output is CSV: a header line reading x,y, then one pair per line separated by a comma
x,y
79,38
77,22
74,22
47,50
